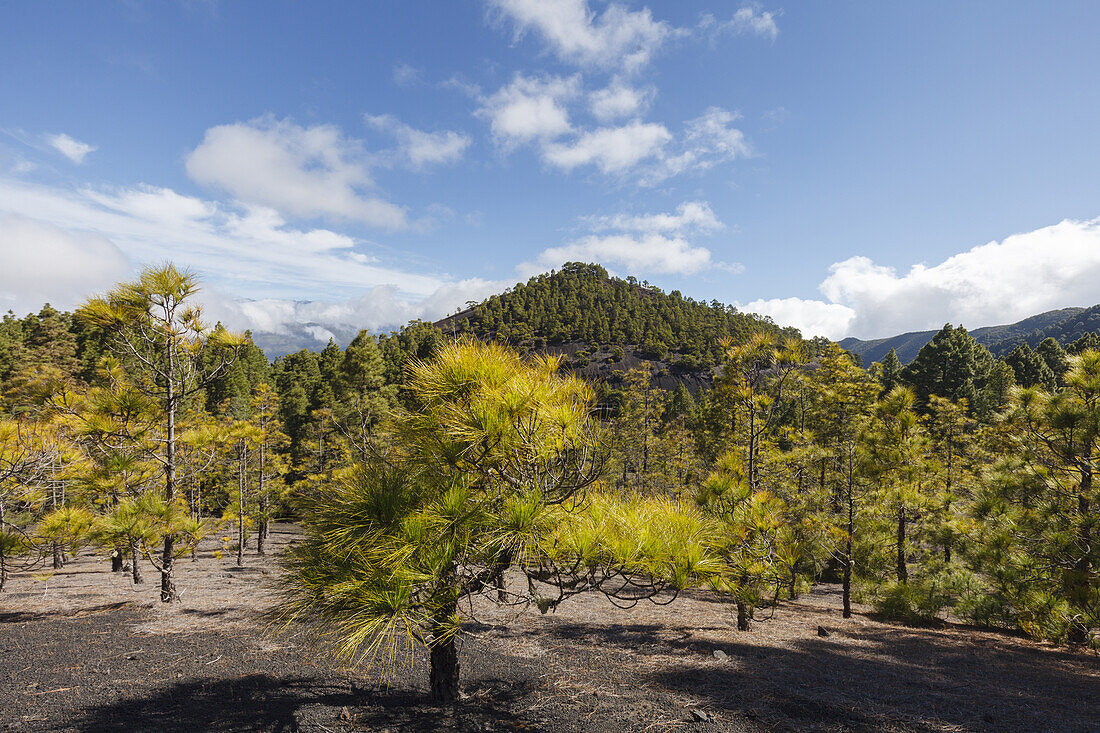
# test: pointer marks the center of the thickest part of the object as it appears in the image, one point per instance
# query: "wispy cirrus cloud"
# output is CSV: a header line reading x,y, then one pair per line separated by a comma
x,y
73,149
420,148
749,19
616,38
299,286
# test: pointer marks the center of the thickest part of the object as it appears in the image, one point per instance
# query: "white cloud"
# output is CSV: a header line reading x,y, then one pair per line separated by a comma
x,y
62,245
282,325
811,317
72,149
43,263
420,148
248,250
611,149
529,109
690,215
748,20
615,38
405,75
991,284
617,100
647,243
655,253
304,171
707,141
998,282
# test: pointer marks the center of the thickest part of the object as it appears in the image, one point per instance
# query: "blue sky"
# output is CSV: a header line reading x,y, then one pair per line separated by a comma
x,y
848,168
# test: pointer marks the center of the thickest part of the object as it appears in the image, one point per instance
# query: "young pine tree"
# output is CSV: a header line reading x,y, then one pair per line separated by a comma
x,y
487,473
158,334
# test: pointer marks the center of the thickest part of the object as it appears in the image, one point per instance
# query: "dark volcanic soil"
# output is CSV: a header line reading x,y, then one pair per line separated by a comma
x,y
96,654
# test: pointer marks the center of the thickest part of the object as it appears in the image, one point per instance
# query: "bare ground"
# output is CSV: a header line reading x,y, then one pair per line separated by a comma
x,y
94,653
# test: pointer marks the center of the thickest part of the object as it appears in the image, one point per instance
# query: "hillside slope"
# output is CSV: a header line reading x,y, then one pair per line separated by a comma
x,y
606,326
1066,325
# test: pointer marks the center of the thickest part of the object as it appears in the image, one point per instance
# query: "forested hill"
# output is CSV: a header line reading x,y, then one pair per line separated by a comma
x,y
605,324
1065,326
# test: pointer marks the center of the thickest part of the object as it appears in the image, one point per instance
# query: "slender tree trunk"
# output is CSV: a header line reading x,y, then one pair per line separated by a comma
x,y
116,559
847,578
902,569
261,531
167,586
57,560
135,568
444,659
3,559
240,502
1079,585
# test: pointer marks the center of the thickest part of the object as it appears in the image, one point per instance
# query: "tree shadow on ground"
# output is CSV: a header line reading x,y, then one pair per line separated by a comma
x,y
870,678
276,704
14,617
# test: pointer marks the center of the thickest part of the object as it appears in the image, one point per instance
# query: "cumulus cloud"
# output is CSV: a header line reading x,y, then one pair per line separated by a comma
x,y
811,317
529,109
616,38
617,100
991,284
72,149
420,148
748,20
611,149
646,243
44,263
536,111
304,171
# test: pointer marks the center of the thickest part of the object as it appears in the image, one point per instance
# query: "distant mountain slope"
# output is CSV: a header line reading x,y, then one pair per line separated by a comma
x,y
607,325
1066,325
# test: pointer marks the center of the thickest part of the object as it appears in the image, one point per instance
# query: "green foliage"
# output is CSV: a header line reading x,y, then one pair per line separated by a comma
x,y
954,366
488,473
582,303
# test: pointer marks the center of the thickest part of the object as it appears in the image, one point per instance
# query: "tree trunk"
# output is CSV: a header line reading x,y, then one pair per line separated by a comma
x,y
167,586
743,623
135,569
444,659
58,562
792,590
903,570
240,503
1078,590
261,530
116,560
846,581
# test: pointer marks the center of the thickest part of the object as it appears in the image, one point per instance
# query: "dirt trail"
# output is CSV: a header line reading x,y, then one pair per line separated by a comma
x,y
97,654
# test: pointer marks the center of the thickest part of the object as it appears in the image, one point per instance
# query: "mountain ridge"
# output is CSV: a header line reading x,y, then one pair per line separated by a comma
x,y
1063,324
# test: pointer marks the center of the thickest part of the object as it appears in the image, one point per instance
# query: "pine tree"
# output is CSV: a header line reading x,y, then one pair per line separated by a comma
x,y
1041,543
890,375
158,333
487,474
